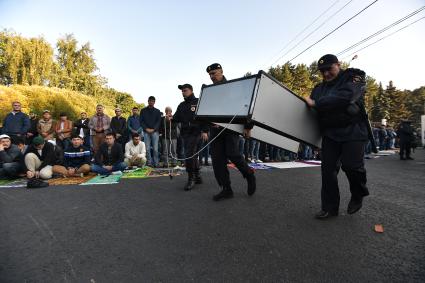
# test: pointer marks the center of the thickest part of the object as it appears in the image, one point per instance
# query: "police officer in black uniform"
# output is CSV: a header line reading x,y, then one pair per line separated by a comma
x,y
406,137
340,105
226,147
191,132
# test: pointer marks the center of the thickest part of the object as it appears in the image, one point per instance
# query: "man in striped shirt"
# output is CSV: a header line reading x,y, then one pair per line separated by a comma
x,y
76,159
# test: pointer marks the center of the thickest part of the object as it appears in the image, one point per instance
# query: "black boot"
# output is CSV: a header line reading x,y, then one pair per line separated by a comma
x,y
198,179
252,184
225,193
190,182
354,205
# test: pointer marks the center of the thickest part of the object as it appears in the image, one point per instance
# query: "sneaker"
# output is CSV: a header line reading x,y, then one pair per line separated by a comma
x,y
258,161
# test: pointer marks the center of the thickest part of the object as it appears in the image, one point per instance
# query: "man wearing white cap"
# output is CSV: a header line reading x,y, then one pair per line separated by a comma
x,y
10,158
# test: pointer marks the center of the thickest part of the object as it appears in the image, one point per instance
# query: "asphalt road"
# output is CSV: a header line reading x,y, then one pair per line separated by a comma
x,y
150,230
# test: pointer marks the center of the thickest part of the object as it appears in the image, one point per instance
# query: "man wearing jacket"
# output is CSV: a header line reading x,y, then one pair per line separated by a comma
x,y
168,132
406,138
46,126
133,123
40,158
32,131
109,158
119,127
76,159
63,130
150,119
339,103
10,158
191,131
82,128
226,147
16,123
99,125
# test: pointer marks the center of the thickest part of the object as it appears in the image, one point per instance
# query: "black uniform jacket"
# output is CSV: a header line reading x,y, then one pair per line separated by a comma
x,y
185,114
340,105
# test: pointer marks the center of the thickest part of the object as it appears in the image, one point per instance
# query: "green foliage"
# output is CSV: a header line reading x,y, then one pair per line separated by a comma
x,y
24,61
39,98
31,62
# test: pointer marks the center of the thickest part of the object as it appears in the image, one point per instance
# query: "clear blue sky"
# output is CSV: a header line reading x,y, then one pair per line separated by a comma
x,y
149,47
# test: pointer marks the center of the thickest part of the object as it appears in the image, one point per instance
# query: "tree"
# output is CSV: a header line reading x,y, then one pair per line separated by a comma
x,y
315,76
372,89
396,104
76,67
301,84
382,106
283,74
24,61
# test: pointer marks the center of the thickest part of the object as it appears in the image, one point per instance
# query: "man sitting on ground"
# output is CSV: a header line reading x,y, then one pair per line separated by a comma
x,y
135,152
76,159
109,158
40,158
10,158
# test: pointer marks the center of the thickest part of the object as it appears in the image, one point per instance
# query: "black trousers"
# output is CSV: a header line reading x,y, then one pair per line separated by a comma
x,y
224,148
350,157
405,147
191,143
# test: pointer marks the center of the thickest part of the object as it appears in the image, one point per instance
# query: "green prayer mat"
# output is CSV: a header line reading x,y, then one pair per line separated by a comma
x,y
17,183
4,182
138,173
103,180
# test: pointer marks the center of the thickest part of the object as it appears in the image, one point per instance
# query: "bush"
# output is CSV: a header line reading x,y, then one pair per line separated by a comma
x,y
39,98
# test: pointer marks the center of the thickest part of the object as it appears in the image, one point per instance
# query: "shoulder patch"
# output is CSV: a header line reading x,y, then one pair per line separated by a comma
x,y
357,79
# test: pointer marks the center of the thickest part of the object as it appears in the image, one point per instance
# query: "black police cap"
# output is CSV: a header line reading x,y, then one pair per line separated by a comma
x,y
181,87
212,67
326,61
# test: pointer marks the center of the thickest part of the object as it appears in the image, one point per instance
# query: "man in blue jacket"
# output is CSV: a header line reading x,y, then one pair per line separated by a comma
x,y
16,124
133,123
76,159
150,120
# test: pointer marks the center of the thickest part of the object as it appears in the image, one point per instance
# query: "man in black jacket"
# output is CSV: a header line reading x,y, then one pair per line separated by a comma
x,y
119,127
32,131
226,147
82,128
109,158
191,132
339,102
150,119
168,132
40,158
10,158
406,137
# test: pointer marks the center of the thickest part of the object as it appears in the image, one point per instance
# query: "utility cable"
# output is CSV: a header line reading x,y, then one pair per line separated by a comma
x,y
334,30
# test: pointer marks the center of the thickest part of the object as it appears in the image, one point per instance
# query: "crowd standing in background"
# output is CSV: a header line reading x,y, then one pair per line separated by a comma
x,y
43,147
